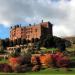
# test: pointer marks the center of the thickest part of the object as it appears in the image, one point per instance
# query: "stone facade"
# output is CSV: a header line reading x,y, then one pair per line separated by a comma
x,y
31,31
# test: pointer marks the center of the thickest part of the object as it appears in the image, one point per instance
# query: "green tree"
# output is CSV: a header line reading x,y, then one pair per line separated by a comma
x,y
7,41
23,41
11,43
18,41
32,40
49,42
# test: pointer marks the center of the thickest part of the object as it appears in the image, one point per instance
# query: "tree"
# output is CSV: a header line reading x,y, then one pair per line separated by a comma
x,y
67,43
15,42
32,40
1,44
59,43
4,44
36,40
28,41
11,43
7,42
23,41
48,41
18,41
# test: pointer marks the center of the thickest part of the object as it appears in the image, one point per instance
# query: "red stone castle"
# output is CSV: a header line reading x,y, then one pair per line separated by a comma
x,y
31,31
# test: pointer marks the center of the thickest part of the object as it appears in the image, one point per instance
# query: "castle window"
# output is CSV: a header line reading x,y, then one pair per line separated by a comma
x,y
28,36
35,30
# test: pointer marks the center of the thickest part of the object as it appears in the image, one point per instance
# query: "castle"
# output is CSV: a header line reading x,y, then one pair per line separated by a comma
x,y
31,32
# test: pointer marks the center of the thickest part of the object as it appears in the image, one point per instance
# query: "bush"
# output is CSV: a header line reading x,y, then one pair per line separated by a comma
x,y
26,59
63,62
2,52
5,68
14,61
22,68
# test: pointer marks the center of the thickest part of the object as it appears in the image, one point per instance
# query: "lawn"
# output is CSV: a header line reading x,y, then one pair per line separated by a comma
x,y
54,71
48,49
45,72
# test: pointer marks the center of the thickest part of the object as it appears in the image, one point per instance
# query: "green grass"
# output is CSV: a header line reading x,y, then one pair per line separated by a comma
x,y
49,49
70,49
54,71
48,71
3,61
72,58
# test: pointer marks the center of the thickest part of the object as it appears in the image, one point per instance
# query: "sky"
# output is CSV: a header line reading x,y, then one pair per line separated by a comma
x,y
61,13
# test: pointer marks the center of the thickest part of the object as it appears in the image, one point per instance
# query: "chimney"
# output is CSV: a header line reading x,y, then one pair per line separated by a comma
x,y
42,21
29,24
17,25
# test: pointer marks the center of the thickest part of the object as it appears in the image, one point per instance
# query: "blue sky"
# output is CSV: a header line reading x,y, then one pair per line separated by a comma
x,y
61,13
4,32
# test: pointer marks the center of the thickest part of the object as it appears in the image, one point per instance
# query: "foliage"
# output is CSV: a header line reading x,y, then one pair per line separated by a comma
x,y
37,45
14,61
7,42
14,42
46,60
26,59
2,51
67,43
35,60
22,68
23,41
13,54
47,41
5,67
18,41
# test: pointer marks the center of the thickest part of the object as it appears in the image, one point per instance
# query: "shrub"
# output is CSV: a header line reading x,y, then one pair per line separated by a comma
x,y
2,52
22,68
5,68
63,62
33,60
14,61
49,60
26,59
1,67
46,60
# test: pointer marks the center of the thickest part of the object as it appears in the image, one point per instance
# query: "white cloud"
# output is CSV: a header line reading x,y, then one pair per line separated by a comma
x,y
61,13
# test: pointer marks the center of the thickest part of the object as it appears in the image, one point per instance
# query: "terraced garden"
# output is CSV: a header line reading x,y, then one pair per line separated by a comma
x,y
48,71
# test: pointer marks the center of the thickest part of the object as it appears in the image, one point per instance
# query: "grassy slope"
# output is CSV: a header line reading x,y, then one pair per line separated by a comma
x,y
46,72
